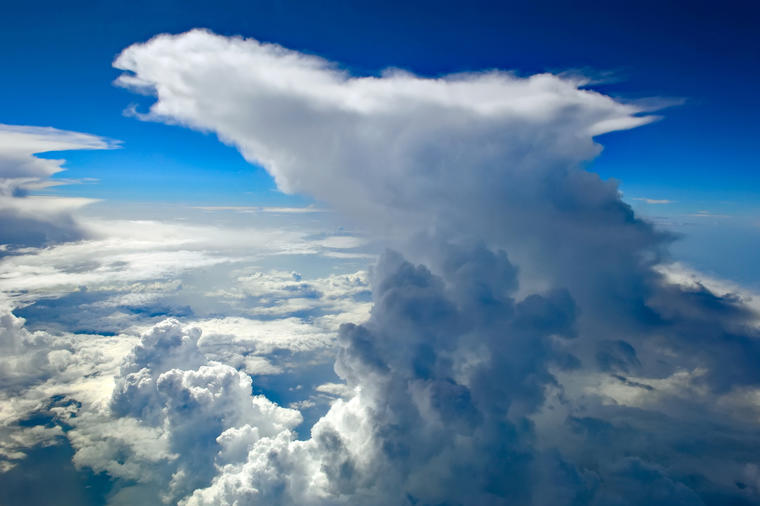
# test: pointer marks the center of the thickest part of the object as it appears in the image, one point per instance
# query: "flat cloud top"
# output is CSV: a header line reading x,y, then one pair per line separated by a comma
x,y
345,139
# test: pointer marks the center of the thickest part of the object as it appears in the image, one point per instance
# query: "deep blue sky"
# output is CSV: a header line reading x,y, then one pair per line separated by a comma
x,y
56,71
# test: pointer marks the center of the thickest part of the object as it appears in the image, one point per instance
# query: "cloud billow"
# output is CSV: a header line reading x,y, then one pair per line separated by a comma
x,y
524,347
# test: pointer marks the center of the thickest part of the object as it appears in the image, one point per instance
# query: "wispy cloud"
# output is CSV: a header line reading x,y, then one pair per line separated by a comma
x,y
263,209
654,201
704,213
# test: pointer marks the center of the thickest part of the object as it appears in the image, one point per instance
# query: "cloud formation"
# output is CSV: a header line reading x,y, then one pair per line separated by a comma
x,y
35,220
527,344
80,373
394,145
532,352
194,412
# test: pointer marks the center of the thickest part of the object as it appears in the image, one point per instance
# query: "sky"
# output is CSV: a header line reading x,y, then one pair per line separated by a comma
x,y
698,58
379,253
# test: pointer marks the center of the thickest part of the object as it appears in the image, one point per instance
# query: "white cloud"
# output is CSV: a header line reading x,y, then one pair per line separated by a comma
x,y
18,144
564,373
119,401
38,368
33,220
259,209
179,412
125,431
363,141
336,389
574,369
145,257
654,201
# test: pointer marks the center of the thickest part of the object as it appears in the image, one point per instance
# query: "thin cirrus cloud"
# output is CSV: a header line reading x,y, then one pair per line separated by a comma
x,y
532,350
654,201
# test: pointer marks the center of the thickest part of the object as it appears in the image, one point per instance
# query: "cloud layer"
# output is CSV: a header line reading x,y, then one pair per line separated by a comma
x,y
34,220
122,396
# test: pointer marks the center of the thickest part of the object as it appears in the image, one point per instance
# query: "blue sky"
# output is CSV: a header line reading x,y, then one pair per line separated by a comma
x,y
57,71
701,156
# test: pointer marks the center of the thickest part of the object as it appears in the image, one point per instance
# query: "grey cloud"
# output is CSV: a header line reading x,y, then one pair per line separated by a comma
x,y
21,229
433,420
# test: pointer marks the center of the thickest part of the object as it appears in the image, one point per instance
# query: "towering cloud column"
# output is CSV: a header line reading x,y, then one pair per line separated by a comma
x,y
528,352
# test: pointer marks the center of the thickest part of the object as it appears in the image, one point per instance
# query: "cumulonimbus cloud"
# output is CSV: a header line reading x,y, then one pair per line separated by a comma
x,y
538,356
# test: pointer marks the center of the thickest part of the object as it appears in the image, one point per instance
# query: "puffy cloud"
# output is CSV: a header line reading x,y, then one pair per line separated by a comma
x,y
432,419
568,370
471,396
48,377
139,410
177,415
34,220
489,157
